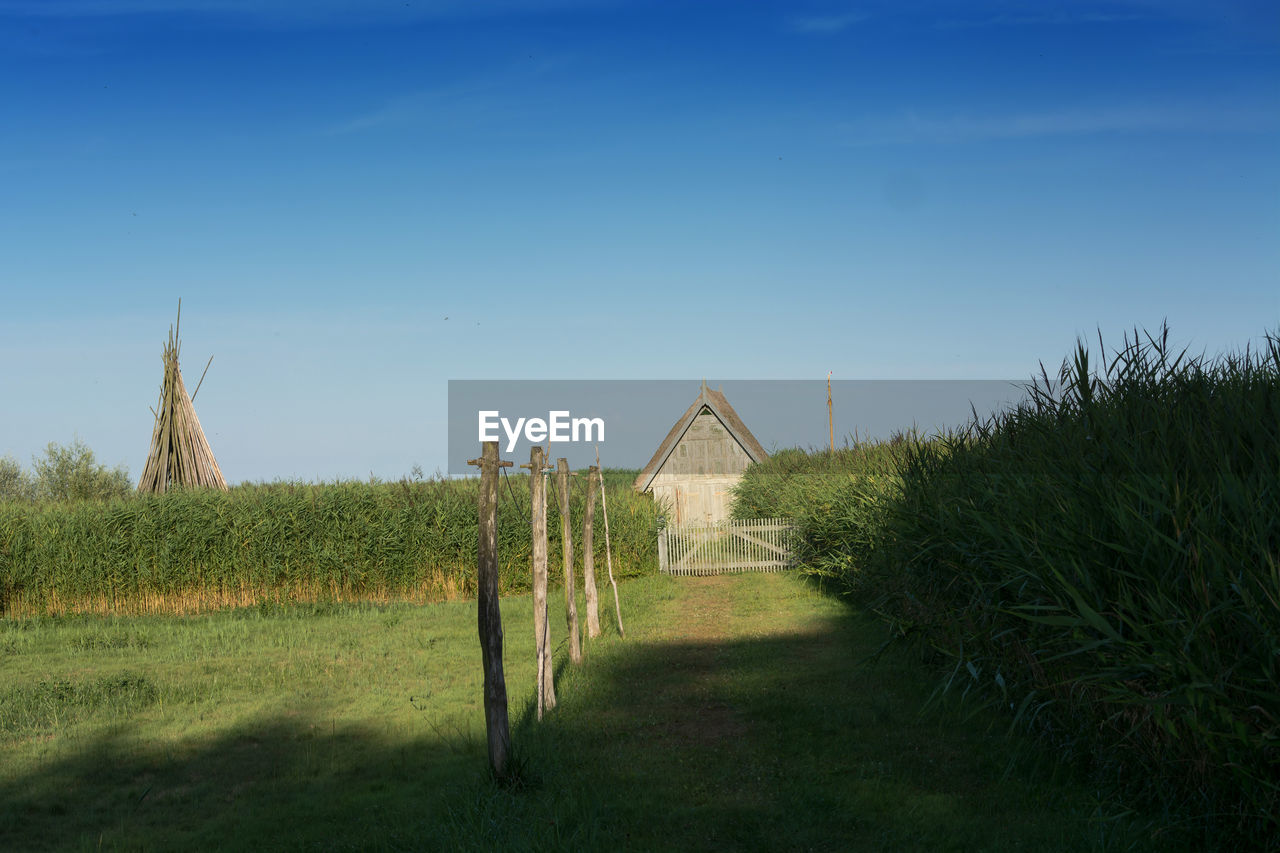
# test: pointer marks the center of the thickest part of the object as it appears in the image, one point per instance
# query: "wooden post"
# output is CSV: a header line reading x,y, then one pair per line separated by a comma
x,y
608,550
489,616
546,692
566,546
831,418
663,564
589,555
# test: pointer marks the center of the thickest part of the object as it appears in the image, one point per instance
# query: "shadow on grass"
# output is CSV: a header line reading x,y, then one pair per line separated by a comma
x,y
277,783
761,743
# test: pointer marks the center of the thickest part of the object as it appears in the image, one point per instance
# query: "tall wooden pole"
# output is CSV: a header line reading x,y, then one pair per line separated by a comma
x,y
831,418
608,550
589,555
566,548
489,616
546,692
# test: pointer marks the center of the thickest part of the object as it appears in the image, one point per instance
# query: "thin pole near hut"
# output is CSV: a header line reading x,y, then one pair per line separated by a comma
x,y
589,556
608,550
566,546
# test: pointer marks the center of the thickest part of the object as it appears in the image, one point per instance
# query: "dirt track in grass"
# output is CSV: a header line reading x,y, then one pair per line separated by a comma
x,y
695,716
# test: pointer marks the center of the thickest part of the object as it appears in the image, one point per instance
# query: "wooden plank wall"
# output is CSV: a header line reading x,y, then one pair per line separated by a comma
x,y
695,480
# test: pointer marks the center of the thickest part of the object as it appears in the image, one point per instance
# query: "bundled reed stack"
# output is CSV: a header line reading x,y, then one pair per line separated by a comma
x,y
180,455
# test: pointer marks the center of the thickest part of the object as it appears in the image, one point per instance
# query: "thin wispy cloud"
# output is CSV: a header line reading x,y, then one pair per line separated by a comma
x,y
448,109
297,11
125,8
825,25
503,97
914,128
1044,19
395,111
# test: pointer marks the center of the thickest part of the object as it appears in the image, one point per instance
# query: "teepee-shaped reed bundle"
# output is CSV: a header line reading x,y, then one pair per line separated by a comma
x,y
180,454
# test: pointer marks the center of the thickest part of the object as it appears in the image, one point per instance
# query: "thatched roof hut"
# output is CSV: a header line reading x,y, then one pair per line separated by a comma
x,y
698,462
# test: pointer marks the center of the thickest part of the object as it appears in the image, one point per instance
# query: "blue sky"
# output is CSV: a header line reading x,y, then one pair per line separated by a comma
x,y
603,189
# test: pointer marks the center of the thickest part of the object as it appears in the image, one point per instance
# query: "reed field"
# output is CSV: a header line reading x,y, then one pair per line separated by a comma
x,y
1102,562
836,499
195,550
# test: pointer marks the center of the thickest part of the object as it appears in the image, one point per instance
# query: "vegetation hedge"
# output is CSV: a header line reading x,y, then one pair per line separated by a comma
x,y
1103,562
193,550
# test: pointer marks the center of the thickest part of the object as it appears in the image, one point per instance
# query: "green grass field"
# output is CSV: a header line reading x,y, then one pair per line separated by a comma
x,y
739,713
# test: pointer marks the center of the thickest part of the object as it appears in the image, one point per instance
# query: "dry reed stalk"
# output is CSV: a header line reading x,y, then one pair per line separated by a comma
x,y
608,550
179,453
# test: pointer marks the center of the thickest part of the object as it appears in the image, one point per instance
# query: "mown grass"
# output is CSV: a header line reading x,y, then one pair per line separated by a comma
x,y
1103,563
279,726
740,713
199,550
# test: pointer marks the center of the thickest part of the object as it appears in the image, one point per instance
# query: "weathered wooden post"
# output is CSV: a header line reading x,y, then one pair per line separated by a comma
x,y
546,693
489,616
566,546
663,561
589,556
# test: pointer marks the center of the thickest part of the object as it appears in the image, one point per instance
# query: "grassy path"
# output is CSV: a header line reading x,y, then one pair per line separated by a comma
x,y
735,716
740,716
695,718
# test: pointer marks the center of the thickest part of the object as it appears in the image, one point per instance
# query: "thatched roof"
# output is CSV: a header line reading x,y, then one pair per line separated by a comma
x,y
715,402
180,455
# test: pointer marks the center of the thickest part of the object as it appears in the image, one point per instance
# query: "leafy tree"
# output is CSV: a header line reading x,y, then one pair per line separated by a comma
x,y
15,483
73,474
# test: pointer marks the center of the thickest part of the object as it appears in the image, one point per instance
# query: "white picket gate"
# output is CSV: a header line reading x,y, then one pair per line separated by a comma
x,y
752,545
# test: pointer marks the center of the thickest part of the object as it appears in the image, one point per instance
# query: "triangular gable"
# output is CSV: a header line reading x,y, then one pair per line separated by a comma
x,y
715,402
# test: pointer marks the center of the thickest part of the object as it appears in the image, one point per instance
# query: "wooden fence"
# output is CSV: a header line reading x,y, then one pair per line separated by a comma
x,y
754,545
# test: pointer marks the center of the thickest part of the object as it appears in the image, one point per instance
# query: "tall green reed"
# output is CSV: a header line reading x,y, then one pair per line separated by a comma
x,y
1102,561
836,499
347,540
1106,557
